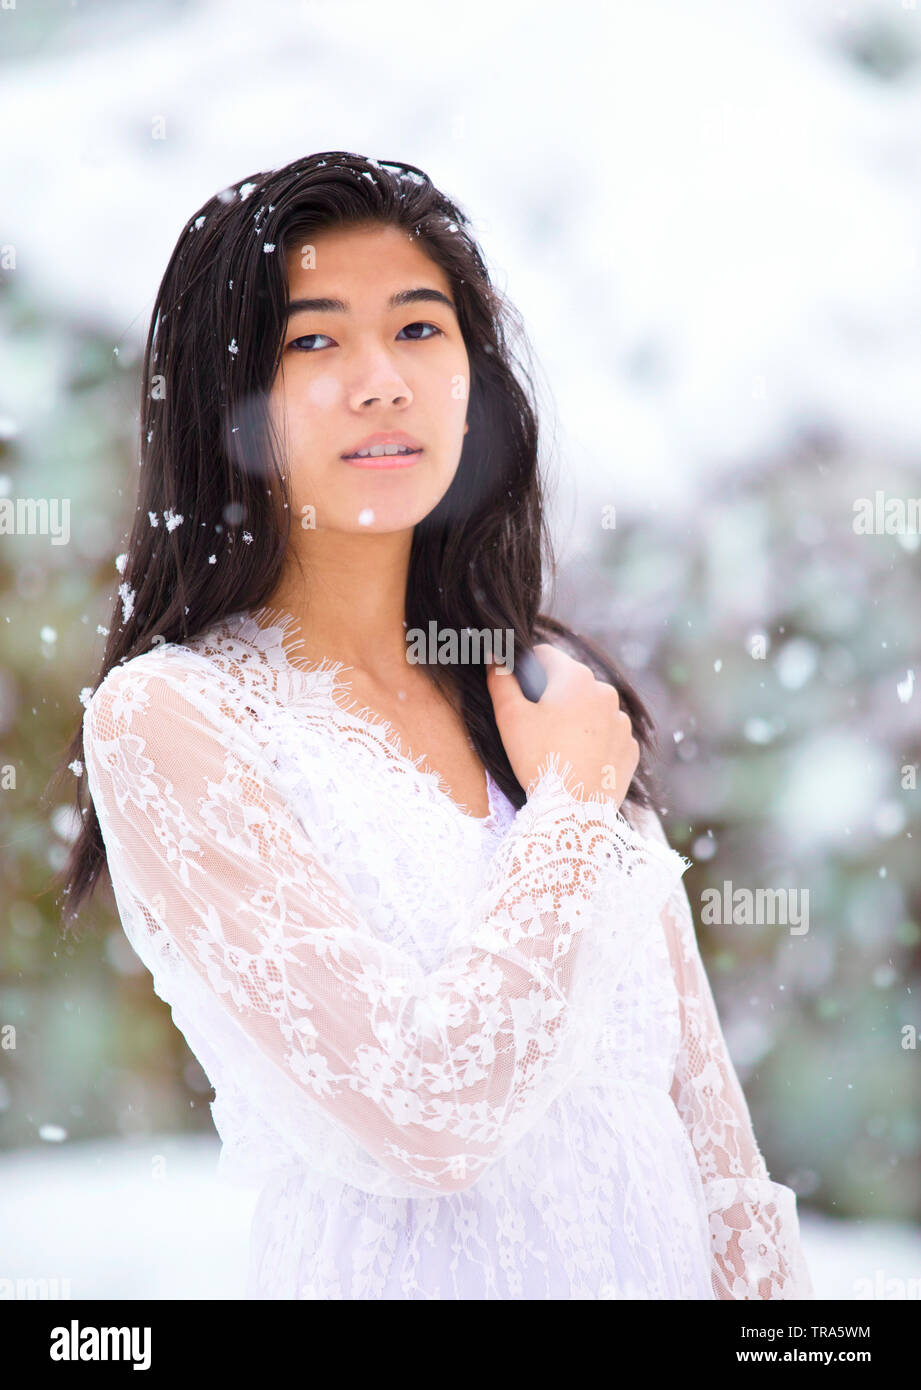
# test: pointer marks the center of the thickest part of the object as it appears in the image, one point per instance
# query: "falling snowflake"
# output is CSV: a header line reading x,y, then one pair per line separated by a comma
x,y
757,730
127,597
52,1134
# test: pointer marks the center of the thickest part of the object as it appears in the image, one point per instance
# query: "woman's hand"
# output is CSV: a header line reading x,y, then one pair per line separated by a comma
x,y
577,716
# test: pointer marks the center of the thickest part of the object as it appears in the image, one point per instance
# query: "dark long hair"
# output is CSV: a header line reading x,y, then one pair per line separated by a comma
x,y
208,455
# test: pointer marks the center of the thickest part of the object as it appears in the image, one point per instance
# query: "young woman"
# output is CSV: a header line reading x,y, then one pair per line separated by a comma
x,y
422,929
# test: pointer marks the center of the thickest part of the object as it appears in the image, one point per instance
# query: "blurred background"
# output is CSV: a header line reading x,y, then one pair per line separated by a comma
x,y
709,218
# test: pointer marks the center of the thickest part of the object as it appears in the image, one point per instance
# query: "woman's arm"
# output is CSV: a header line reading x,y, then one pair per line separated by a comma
x,y
434,1074
754,1228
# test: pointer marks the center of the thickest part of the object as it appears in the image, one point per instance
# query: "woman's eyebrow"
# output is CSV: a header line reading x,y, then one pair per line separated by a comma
x,y
341,306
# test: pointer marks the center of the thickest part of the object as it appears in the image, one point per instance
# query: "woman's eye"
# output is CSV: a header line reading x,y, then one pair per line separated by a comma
x,y
306,338
421,325
303,339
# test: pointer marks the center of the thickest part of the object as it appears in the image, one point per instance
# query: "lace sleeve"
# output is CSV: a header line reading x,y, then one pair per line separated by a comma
x,y
434,1074
754,1227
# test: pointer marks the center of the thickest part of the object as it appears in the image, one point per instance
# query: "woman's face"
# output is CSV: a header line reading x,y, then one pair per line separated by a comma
x,y
369,366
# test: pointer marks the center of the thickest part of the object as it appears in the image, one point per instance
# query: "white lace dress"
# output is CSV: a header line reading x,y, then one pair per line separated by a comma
x,y
462,1058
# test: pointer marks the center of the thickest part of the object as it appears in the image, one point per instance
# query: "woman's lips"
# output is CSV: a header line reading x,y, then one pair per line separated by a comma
x,y
385,460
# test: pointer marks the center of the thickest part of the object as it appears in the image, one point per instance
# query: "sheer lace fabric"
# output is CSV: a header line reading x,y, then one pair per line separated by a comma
x,y
461,1057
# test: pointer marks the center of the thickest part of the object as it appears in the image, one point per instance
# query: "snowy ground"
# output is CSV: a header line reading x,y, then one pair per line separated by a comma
x,y
94,1214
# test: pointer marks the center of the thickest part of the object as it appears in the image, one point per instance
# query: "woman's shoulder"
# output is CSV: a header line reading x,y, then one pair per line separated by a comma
x,y
199,669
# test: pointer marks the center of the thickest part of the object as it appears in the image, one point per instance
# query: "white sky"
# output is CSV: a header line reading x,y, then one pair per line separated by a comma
x,y
709,187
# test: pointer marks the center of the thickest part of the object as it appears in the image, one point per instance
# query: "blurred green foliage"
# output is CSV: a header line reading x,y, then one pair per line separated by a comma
x,y
800,768
778,770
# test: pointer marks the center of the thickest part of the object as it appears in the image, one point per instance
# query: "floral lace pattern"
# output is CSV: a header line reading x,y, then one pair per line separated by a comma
x,y
462,1057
